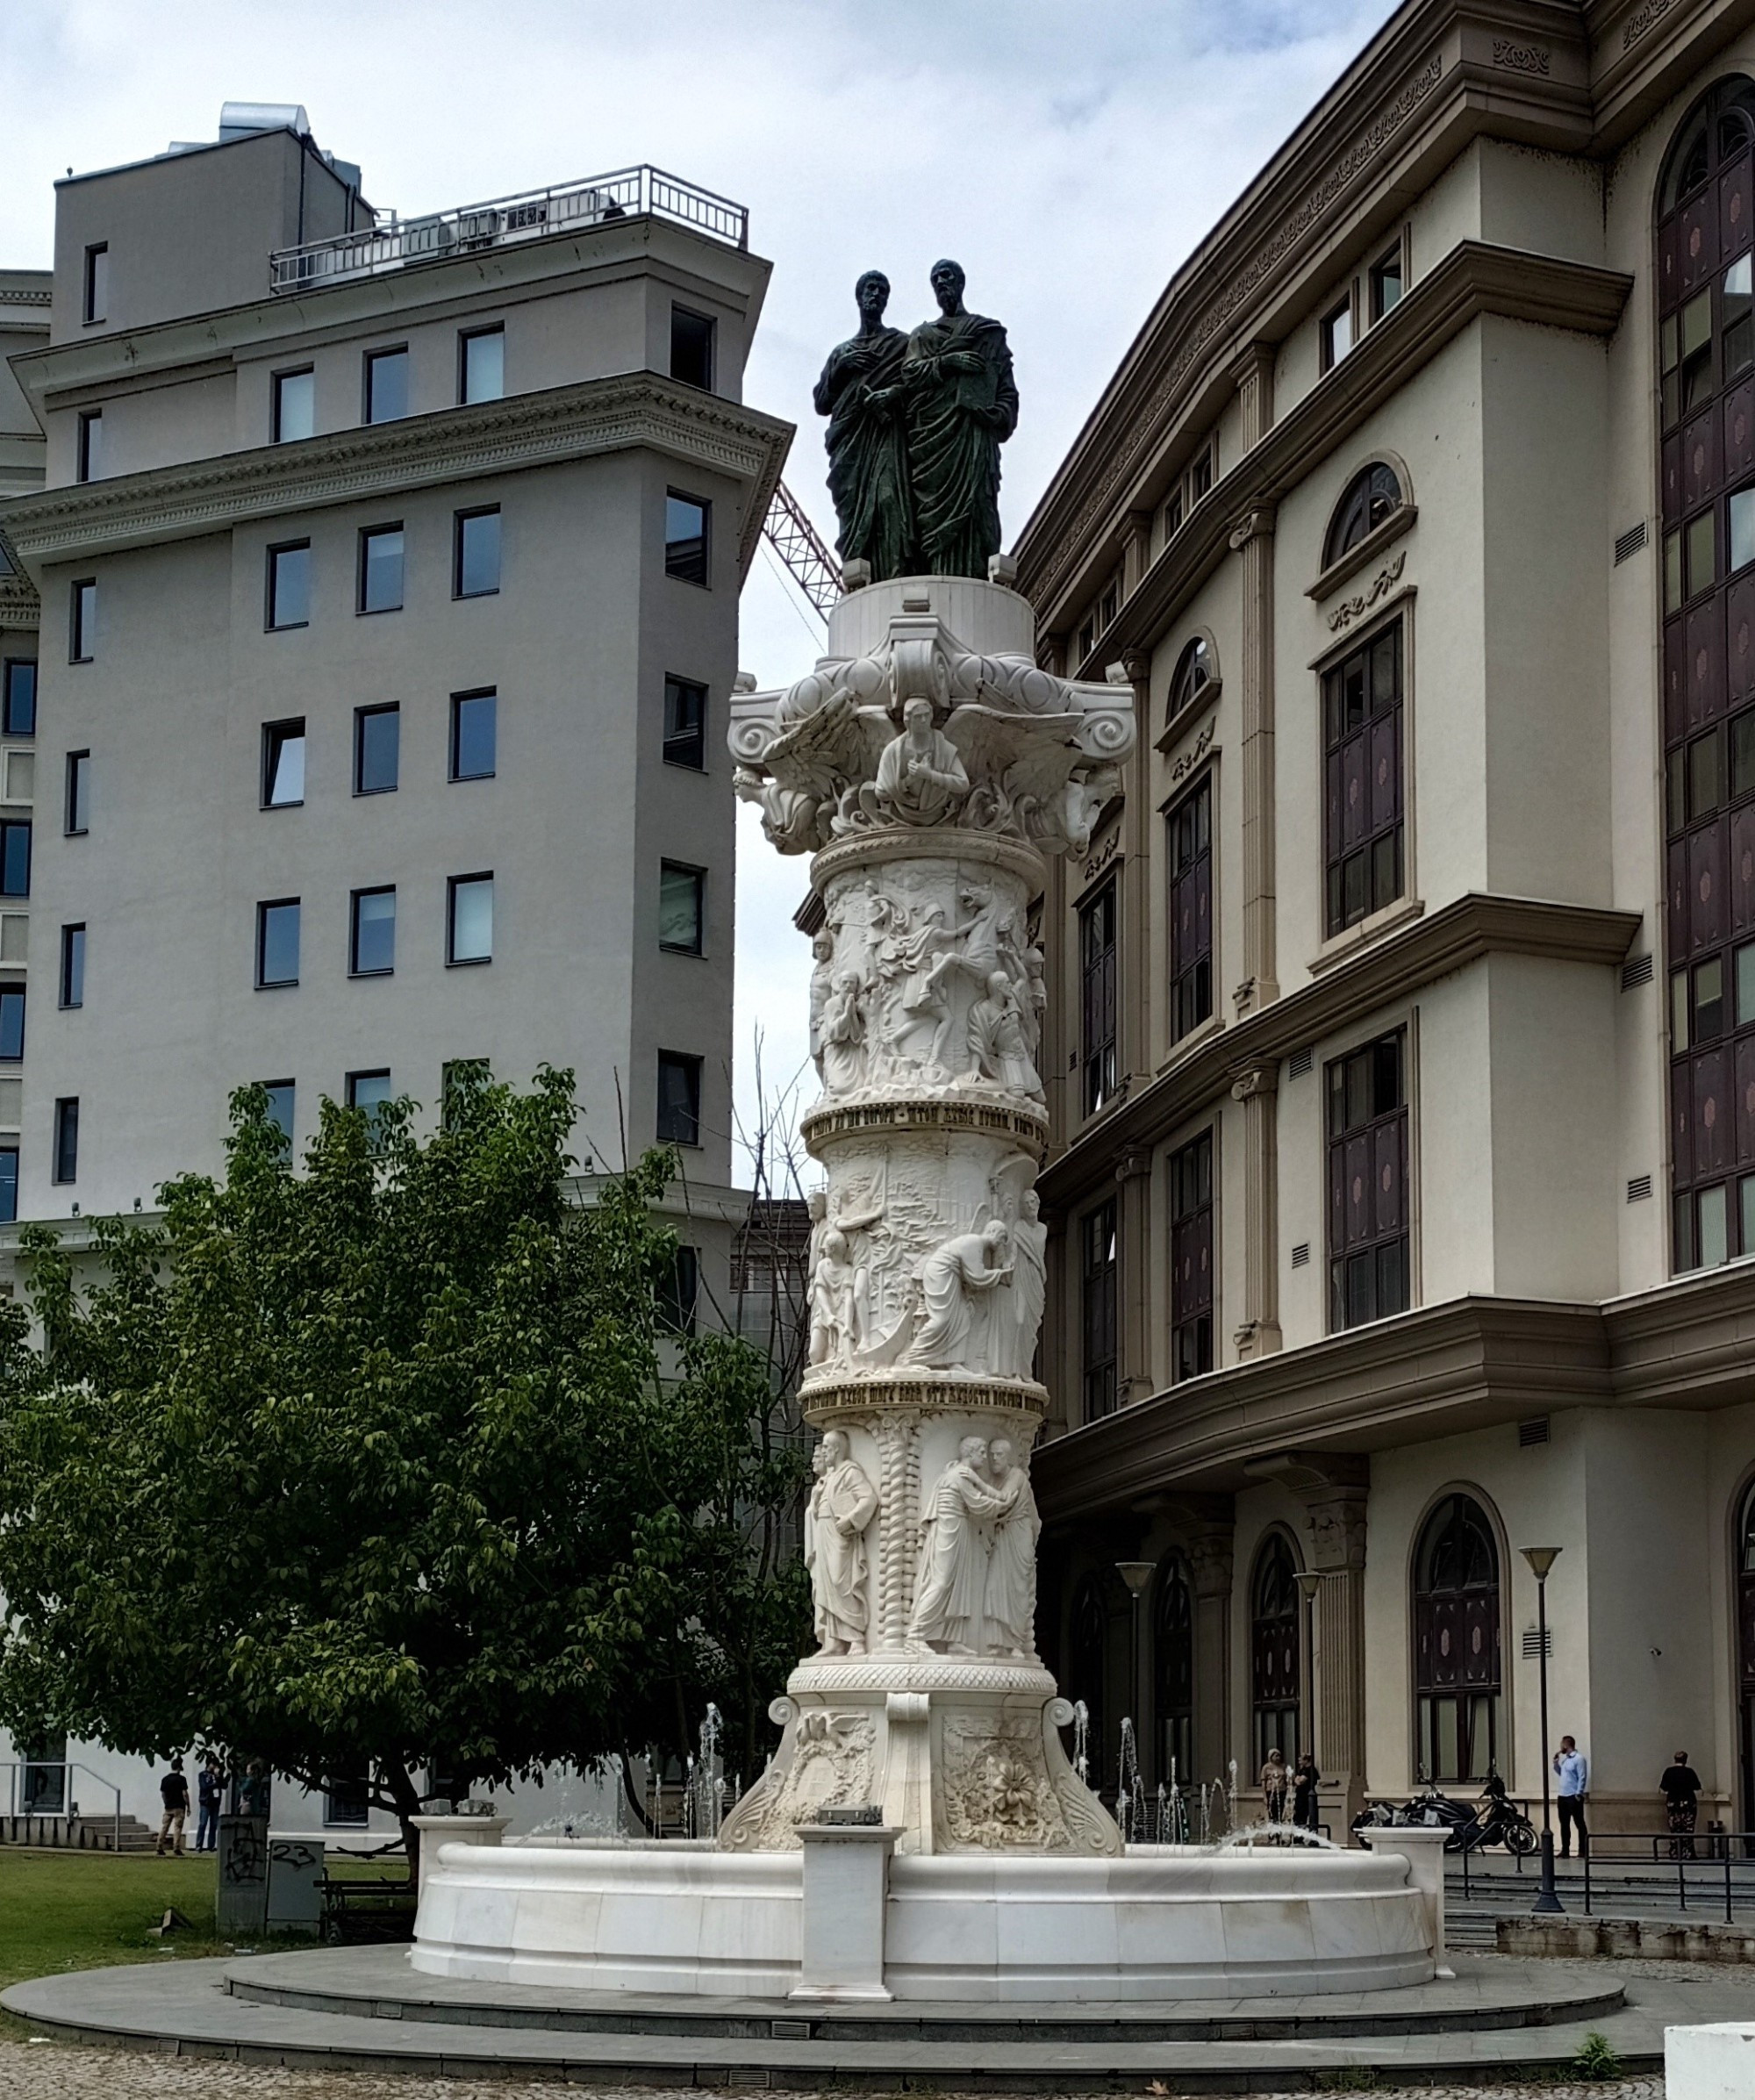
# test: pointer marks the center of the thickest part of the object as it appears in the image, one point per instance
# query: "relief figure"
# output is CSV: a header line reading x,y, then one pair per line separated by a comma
x,y
956,1334
950,1592
843,1502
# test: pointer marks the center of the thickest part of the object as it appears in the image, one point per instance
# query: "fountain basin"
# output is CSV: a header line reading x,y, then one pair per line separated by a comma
x,y
1167,1922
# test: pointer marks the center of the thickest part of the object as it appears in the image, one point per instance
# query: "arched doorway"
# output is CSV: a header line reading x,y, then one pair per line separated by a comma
x,y
1457,1663
1276,1675
1174,1673
1090,1652
1745,1655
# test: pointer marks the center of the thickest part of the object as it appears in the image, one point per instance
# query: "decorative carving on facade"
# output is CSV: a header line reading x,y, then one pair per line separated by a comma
x,y
1203,743
1647,17
1520,58
998,1794
829,1766
1107,853
842,1503
1355,607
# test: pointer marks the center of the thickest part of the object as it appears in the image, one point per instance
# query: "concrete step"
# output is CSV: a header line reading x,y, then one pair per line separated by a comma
x,y
78,1833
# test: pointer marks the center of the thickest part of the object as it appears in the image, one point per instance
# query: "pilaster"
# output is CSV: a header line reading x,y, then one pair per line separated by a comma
x,y
1205,1527
1137,934
1252,538
1132,1174
1256,1088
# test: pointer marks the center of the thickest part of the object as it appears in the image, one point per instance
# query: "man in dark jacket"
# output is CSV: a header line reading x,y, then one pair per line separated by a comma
x,y
1681,1786
174,1792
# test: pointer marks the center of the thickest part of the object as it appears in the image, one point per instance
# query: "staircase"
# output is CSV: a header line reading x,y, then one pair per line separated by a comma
x,y
78,1833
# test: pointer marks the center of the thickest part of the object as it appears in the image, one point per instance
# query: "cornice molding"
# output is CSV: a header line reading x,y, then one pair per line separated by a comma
x,y
1389,969
523,431
19,604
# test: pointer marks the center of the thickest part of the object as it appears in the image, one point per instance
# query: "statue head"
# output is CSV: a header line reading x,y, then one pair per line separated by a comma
x,y
972,1451
817,1204
845,981
871,295
917,716
1031,1205
998,986
996,1239
948,280
834,1244
822,946
819,1458
999,1456
834,1447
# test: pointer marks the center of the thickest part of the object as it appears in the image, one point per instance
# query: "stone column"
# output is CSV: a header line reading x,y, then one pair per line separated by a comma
x,y
1140,821
1253,539
1256,1087
1205,1527
1134,1379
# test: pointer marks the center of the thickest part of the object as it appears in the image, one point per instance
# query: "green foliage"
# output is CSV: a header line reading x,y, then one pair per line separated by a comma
x,y
1597,2057
388,1464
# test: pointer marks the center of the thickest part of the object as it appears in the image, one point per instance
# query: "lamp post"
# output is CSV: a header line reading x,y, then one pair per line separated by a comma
x,y
1137,1575
1541,1558
1309,1581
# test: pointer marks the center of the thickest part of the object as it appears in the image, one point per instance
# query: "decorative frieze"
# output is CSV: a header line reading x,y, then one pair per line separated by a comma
x,y
1350,609
1512,57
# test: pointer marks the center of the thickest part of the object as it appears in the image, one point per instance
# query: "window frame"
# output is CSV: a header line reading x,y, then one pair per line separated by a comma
x,y
709,324
1327,325
1197,1154
1396,613
1099,1308
465,338
290,1087
9,1182
460,520
89,446
76,795
693,1068
94,299
275,736
1428,1658
1196,798
666,866
9,665
1402,1030
82,620
64,1153
271,625
453,884
70,967
1106,1061
8,826
369,1108
363,568
459,700
373,359
360,715
356,898
673,739
7,991
277,403
681,569
264,906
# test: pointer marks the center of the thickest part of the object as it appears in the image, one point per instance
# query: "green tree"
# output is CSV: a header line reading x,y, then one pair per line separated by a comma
x,y
390,1465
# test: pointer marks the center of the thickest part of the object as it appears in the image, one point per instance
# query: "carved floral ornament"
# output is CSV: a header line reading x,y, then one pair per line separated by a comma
x,y
1350,609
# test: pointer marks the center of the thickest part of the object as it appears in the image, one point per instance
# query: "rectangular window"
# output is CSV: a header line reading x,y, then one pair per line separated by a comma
x,y
469,919
371,938
1191,1258
1337,333
475,723
679,1291
1098,1002
380,580
72,966
282,1095
686,724
1362,759
290,585
1098,1322
9,1184
692,349
1190,909
679,1099
11,1023
1741,529
377,748
682,908
76,810
1368,1208
82,606
284,765
278,943
1200,474
686,523
476,562
98,283
67,1139
369,1091
15,856
1385,283
295,406
91,445
386,386
18,707
481,365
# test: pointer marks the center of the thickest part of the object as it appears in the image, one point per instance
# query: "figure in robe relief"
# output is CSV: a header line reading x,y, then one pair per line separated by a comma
x,y
868,466
921,778
833,1324
957,1520
843,1502
955,1335
822,983
1029,1287
996,1038
842,1033
1009,1602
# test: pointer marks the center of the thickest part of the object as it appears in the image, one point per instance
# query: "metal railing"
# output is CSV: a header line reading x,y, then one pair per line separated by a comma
x,y
396,243
1635,1874
20,1771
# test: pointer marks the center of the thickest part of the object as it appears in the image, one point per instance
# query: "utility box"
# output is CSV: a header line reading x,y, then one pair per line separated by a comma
x,y
240,1901
295,1885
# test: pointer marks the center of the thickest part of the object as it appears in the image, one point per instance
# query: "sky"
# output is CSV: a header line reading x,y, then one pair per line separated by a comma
x,y
1068,153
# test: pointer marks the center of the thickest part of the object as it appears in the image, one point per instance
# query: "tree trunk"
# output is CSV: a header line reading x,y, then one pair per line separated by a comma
x,y
406,1802
633,1799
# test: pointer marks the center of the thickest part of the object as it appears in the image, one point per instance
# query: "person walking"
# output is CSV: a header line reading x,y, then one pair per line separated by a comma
x,y
174,1792
1305,1781
1275,1777
1571,1768
1680,1784
210,1788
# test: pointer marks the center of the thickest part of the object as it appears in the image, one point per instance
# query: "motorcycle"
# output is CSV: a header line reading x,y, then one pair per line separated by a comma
x,y
1492,1820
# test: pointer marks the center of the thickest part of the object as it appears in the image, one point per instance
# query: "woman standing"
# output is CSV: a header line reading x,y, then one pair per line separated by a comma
x,y
1305,1781
1275,1776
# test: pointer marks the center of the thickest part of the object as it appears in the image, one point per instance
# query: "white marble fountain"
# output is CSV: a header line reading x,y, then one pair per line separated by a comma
x,y
927,766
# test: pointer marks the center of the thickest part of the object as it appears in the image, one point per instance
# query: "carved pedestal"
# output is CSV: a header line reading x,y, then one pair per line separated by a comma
x,y
928,764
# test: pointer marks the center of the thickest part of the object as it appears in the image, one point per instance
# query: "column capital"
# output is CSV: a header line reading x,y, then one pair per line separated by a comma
x,y
1134,1164
1256,524
1247,1081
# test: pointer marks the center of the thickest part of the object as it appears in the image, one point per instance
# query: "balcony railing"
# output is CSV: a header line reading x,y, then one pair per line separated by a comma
x,y
396,243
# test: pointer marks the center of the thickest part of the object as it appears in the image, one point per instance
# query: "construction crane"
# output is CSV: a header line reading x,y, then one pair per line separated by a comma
x,y
797,541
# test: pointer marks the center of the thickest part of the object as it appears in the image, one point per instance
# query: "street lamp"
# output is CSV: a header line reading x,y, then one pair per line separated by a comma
x,y
1137,1575
1309,1580
1541,1558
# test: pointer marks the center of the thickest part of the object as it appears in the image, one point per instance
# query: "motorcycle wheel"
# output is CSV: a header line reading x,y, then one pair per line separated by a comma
x,y
1520,1836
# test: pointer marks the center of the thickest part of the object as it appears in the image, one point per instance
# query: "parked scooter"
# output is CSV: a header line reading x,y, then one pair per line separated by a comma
x,y
1492,1820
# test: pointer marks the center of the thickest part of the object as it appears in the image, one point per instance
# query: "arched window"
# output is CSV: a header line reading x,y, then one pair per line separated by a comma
x,y
1371,495
1196,668
1089,1650
1457,1643
1274,1649
1174,1673
1718,129
1745,1650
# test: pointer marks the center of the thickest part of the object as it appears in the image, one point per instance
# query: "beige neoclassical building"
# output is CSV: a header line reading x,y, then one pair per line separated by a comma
x,y
1403,1054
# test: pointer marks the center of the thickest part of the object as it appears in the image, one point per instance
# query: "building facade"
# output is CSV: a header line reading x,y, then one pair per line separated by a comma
x,y
1402,1068
374,585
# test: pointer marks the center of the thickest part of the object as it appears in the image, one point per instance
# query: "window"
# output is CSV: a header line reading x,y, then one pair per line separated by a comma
x,y
98,283
82,644
1098,1002
386,386
15,856
295,406
290,585
11,1023
469,919
72,966
1196,668
91,445
1274,1651
682,908
476,563
281,1097
1191,1258
692,349
1370,497
370,1093
474,731
481,365
19,706
347,1801
686,520
278,943
679,1285
1337,333
371,937
1456,1644
686,724
9,1184
679,1099
76,808
284,765
1190,909
1368,1208
1362,766
67,1138
1174,1673
377,748
1385,283
380,581
1192,484
1098,1310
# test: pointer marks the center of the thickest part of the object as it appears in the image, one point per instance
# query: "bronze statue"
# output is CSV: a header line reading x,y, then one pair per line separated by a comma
x,y
868,472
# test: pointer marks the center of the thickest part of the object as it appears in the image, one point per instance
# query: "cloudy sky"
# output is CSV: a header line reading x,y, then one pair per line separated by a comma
x,y
1069,153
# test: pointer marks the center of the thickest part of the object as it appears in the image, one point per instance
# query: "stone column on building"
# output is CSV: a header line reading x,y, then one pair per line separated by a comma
x,y
1204,1526
1252,538
1256,1088
1134,1373
1138,977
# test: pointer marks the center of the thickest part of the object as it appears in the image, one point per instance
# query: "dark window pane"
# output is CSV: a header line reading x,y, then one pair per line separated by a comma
x,y
12,1023
77,810
478,554
470,936
678,1290
1099,1311
681,892
1098,1002
282,764
474,735
98,283
679,1099
1385,283
19,718
483,358
280,1094
377,740
9,1184
368,1091
278,943
373,950
386,386
685,538
692,348
1708,1000
295,406
685,720
85,599
15,857
290,585
91,446
1706,781
67,1140
381,569
73,965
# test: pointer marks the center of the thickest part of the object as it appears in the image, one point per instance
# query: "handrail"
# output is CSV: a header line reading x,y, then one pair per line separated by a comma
x,y
395,243
64,1765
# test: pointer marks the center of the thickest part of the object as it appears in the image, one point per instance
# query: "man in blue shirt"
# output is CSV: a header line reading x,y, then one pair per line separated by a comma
x,y
1574,1769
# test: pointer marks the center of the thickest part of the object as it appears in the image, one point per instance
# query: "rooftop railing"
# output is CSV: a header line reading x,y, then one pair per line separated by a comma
x,y
399,243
